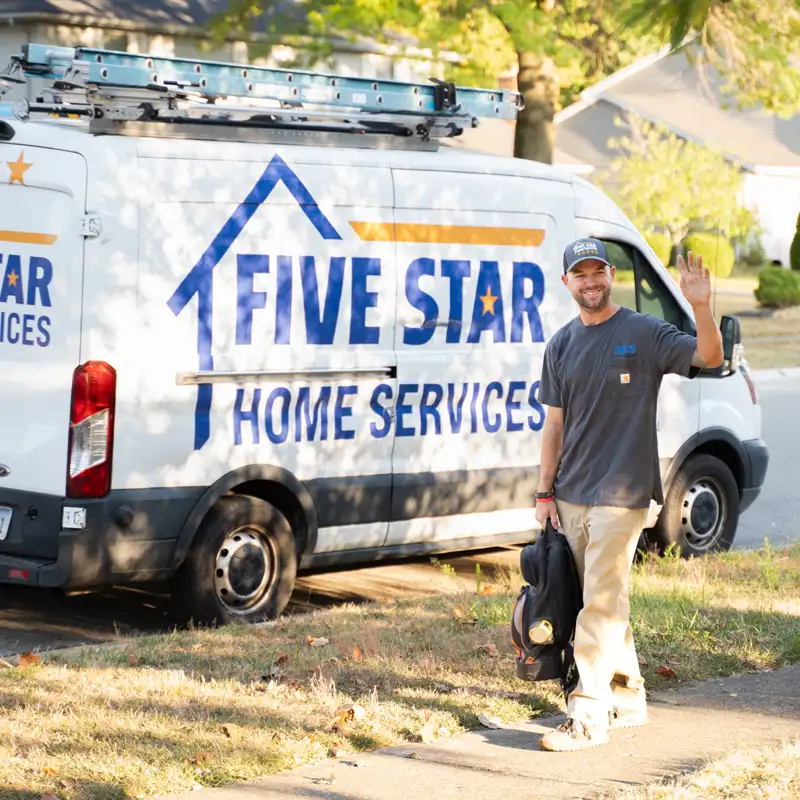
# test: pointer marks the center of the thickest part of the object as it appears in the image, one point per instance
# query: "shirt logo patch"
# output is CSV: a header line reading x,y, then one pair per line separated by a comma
x,y
625,378
625,349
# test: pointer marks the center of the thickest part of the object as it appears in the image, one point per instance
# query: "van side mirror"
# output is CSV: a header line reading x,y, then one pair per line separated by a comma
x,y
731,331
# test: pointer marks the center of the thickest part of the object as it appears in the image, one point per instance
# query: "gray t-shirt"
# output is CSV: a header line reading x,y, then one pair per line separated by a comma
x,y
606,378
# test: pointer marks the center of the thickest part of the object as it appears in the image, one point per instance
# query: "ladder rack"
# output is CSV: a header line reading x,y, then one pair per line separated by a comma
x,y
95,84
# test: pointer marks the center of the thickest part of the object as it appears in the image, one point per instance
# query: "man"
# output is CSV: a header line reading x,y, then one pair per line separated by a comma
x,y
599,468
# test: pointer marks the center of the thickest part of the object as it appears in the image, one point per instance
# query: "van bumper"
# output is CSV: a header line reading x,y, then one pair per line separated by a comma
x,y
755,471
128,536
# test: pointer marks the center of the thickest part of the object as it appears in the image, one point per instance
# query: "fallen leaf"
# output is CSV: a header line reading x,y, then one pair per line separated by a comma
x,y
357,653
198,646
199,758
667,672
276,738
352,711
226,731
27,659
490,722
283,658
320,642
487,589
48,771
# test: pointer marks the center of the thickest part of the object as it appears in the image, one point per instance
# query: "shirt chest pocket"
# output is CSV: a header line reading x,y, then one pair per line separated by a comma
x,y
624,379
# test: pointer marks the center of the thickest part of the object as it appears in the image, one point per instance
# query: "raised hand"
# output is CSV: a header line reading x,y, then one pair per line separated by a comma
x,y
695,280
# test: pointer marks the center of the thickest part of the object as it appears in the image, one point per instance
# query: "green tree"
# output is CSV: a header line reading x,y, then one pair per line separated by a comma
x,y
560,46
665,183
754,45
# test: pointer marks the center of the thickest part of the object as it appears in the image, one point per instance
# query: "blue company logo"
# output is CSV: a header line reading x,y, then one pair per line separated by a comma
x,y
321,317
625,349
199,281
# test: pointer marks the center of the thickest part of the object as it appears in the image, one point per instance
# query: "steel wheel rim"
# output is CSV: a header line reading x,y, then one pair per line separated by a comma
x,y
246,570
703,514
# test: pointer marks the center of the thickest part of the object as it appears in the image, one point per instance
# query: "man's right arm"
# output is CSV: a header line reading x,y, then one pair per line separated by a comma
x,y
552,438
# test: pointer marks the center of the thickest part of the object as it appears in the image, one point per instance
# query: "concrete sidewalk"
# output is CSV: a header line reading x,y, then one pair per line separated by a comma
x,y
687,726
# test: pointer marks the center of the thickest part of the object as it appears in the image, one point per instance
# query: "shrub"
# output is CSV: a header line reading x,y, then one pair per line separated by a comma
x,y
777,288
754,256
794,250
716,251
662,245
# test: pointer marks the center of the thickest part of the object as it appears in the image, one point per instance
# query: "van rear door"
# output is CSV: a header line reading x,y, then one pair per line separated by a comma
x,y
42,195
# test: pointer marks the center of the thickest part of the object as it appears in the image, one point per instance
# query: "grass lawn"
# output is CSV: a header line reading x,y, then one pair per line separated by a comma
x,y
207,707
770,774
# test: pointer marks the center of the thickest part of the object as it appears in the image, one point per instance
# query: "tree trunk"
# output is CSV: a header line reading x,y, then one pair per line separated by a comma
x,y
538,84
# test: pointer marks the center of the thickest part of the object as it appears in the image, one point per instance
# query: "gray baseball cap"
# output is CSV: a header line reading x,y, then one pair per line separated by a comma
x,y
583,250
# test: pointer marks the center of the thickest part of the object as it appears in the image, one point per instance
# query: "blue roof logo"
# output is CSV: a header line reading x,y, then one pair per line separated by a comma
x,y
199,280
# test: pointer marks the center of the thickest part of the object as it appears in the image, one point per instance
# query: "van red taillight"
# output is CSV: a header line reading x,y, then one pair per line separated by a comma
x,y
91,430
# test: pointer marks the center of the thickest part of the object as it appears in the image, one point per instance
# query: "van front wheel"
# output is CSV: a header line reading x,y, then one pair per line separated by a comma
x,y
701,512
241,566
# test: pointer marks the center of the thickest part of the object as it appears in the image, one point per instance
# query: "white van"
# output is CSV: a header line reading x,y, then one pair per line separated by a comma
x,y
235,348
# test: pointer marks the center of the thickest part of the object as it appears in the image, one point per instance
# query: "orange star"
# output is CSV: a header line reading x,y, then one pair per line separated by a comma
x,y
488,302
13,278
18,169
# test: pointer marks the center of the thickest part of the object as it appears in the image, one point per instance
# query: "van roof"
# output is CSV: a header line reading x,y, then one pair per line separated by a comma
x,y
71,135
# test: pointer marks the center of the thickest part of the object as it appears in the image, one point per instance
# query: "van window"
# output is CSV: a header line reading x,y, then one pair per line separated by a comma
x,y
637,287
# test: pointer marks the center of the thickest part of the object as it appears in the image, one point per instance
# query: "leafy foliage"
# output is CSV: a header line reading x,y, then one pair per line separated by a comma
x,y
716,251
752,45
663,182
662,246
794,250
778,287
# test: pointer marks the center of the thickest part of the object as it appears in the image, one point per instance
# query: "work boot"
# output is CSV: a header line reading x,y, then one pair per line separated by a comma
x,y
574,734
627,717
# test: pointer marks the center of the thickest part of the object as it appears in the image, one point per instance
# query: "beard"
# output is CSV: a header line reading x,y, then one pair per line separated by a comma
x,y
595,303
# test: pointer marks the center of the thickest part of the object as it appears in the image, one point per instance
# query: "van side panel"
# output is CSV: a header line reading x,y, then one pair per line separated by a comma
x,y
479,295
272,276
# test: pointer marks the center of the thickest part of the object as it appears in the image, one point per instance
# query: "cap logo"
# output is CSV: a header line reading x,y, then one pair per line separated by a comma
x,y
584,247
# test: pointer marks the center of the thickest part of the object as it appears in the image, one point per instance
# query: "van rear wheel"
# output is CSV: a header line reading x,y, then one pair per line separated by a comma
x,y
241,567
701,512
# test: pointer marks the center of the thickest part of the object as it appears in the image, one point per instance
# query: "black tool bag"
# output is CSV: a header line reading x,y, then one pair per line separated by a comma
x,y
545,611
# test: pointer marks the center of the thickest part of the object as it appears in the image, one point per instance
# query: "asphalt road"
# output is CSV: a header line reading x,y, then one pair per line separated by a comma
x,y
31,620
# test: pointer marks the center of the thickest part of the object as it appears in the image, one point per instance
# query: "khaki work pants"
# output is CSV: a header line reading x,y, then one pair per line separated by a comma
x,y
603,541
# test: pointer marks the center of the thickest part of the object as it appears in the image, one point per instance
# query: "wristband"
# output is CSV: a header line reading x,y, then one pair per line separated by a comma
x,y
544,495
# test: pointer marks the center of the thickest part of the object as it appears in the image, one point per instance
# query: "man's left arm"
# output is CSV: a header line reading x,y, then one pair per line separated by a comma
x,y
680,353
708,353
696,288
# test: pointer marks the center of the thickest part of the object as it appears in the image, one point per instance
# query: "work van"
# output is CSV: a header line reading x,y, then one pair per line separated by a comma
x,y
239,343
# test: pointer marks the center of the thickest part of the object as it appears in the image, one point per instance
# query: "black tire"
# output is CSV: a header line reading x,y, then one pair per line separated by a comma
x,y
701,512
212,585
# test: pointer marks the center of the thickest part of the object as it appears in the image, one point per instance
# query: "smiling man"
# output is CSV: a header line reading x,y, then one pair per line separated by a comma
x,y
599,468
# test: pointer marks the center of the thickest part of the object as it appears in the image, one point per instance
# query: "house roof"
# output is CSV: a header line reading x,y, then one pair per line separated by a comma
x,y
182,13
667,89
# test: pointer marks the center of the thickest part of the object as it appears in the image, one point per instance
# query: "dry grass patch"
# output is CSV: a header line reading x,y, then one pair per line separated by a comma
x,y
210,707
767,774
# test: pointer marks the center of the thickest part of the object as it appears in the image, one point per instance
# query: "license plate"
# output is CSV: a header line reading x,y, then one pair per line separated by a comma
x,y
5,522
